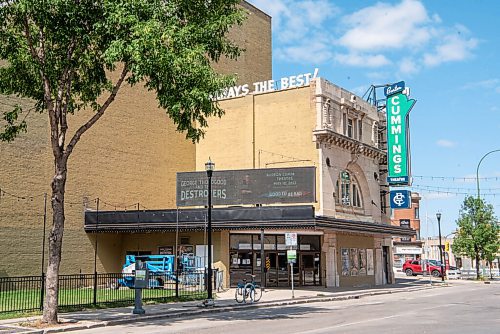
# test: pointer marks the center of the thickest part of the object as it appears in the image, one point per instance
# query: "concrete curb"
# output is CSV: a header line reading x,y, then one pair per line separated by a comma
x,y
230,308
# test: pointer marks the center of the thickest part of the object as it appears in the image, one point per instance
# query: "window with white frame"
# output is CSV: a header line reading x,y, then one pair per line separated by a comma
x,y
348,191
352,126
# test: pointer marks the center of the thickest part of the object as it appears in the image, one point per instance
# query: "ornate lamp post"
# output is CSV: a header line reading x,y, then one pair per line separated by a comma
x,y
438,216
209,167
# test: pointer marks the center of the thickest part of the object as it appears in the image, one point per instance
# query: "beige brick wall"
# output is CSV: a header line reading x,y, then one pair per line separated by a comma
x,y
270,130
130,156
254,36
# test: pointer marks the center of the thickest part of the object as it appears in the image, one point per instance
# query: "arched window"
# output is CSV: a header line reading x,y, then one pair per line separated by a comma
x,y
348,190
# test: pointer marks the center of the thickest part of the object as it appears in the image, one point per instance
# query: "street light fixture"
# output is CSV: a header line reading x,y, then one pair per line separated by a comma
x,y
438,216
209,167
477,169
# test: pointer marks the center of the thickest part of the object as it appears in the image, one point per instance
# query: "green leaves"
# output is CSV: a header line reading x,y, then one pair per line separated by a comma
x,y
11,129
478,230
60,53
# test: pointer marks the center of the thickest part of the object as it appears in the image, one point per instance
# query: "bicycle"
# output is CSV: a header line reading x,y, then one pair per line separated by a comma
x,y
248,291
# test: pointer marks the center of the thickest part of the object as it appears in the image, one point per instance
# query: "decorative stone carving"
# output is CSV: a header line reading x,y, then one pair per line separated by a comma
x,y
327,114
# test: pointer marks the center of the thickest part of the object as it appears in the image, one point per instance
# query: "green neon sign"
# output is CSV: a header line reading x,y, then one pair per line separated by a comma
x,y
398,109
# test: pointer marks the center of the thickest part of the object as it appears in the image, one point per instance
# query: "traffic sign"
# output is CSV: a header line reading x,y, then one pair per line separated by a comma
x,y
400,199
291,255
291,239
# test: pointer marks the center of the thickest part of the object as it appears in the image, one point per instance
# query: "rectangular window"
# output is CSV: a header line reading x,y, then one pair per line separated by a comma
x,y
383,204
350,128
417,213
344,123
356,200
360,130
346,200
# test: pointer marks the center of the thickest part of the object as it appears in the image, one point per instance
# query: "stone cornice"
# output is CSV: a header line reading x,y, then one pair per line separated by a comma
x,y
339,140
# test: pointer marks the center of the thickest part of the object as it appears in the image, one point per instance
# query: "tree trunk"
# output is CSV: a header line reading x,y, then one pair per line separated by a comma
x,y
477,266
55,242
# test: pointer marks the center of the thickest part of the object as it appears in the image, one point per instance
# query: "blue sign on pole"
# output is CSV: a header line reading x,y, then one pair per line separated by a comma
x,y
400,199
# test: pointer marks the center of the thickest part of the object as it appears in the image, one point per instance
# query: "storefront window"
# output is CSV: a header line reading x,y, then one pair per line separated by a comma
x,y
309,242
269,242
241,242
245,259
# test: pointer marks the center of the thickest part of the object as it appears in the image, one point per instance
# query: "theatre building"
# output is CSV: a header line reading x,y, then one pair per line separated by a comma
x,y
305,159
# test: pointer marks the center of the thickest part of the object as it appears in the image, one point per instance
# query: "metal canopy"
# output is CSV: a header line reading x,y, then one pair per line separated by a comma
x,y
232,218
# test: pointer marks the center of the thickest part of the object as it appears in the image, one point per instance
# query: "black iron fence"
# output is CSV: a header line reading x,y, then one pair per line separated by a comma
x,y
27,293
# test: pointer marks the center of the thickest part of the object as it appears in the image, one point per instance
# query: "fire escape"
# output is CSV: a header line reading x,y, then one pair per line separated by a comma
x,y
372,96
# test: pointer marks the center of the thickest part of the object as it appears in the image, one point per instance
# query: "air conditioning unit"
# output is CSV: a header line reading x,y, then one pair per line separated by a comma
x,y
353,98
342,100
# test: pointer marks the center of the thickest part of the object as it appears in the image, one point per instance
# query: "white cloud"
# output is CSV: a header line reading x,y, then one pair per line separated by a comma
x,y
453,48
404,35
361,60
299,29
408,66
313,53
445,143
493,84
295,19
385,26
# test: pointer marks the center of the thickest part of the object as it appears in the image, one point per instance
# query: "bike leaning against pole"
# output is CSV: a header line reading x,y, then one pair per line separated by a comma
x,y
248,291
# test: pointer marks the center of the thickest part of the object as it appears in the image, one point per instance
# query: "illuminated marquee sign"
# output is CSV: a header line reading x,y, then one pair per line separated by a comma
x,y
398,109
293,81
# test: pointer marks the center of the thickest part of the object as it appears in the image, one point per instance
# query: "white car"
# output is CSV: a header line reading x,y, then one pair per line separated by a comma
x,y
453,273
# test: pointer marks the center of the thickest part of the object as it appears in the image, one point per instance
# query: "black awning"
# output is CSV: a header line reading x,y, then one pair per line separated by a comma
x,y
232,218
360,226
195,219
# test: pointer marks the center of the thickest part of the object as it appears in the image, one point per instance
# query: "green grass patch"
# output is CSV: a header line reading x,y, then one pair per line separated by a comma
x,y
78,299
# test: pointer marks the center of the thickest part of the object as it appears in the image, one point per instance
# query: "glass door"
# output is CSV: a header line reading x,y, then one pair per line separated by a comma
x,y
310,269
283,276
272,270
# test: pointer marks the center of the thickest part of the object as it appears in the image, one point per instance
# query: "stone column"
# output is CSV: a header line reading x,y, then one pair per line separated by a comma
x,y
330,250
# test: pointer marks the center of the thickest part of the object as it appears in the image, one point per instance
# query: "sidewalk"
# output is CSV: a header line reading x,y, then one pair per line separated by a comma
x,y
224,303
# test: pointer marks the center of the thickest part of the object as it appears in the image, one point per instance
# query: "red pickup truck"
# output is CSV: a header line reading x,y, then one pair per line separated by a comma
x,y
414,267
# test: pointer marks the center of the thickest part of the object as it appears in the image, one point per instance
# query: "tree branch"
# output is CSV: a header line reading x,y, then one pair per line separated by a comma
x,y
62,92
27,33
98,115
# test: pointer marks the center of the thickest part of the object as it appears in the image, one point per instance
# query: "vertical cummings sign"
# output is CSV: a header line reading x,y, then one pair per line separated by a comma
x,y
398,141
248,186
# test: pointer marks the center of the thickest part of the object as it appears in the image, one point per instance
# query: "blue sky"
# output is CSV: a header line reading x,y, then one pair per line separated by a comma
x,y
446,51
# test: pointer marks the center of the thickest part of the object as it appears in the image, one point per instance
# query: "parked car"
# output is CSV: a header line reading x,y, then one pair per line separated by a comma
x,y
414,267
453,273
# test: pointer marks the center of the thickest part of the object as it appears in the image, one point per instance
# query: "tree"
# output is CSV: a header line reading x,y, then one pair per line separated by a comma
x,y
478,231
63,54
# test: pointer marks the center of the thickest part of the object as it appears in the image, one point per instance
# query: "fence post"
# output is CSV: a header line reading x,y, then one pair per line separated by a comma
x,y
42,290
177,283
95,288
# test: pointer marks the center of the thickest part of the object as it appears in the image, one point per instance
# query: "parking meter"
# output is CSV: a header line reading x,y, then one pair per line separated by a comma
x,y
141,274
140,282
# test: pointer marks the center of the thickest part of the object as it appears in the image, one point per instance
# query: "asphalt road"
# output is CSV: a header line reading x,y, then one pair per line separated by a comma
x,y
468,307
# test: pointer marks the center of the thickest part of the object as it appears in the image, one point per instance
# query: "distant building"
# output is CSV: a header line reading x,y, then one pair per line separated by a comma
x,y
431,251
407,248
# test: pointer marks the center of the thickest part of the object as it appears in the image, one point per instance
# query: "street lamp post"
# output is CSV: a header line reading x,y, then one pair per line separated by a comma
x,y
209,167
438,216
477,169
